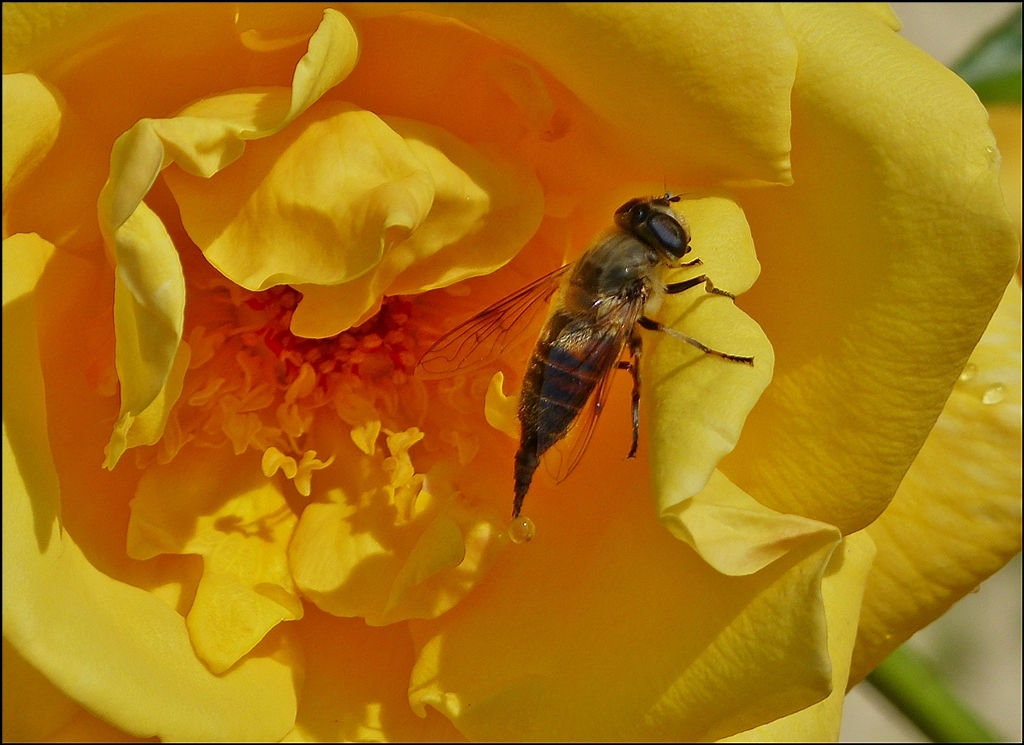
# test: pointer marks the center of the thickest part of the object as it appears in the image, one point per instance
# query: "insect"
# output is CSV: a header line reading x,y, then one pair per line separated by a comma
x,y
603,300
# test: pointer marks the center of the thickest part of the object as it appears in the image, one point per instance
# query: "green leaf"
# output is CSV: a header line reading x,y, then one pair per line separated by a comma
x,y
992,67
910,683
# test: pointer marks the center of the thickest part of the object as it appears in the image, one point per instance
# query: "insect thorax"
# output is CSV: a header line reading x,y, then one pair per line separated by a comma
x,y
616,266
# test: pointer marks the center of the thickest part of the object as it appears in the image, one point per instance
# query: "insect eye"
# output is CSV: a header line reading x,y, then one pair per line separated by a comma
x,y
667,234
627,207
630,215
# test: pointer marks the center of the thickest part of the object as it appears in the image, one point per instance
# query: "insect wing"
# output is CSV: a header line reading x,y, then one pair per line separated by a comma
x,y
482,339
565,455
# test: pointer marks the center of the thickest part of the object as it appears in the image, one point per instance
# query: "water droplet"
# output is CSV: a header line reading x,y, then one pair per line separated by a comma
x,y
969,372
994,394
521,530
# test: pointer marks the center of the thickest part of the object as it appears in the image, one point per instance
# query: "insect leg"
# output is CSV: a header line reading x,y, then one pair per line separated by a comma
x,y
652,325
675,287
635,343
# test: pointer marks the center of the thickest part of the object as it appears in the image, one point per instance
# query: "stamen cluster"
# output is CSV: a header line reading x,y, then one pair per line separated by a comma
x,y
251,383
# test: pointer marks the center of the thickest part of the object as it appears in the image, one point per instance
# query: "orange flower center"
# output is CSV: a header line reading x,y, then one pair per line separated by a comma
x,y
251,383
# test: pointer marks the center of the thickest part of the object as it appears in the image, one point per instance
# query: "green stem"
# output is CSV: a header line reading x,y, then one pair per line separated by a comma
x,y
910,683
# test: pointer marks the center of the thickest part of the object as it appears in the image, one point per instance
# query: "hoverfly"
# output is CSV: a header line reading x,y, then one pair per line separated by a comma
x,y
604,298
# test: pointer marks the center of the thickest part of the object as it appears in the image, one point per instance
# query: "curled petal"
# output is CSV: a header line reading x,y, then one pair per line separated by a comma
x,y
356,685
36,34
657,85
676,655
149,295
699,402
501,411
842,590
873,308
36,707
294,209
348,206
147,427
391,548
735,534
205,503
956,517
31,118
78,626
1006,125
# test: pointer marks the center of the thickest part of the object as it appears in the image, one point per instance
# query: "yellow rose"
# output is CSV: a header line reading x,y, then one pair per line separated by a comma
x,y
231,510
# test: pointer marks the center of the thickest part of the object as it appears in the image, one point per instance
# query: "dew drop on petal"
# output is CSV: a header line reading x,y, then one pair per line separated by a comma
x,y
993,394
969,372
521,530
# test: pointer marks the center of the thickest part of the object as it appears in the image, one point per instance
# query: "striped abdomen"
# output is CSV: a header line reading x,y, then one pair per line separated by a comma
x,y
570,359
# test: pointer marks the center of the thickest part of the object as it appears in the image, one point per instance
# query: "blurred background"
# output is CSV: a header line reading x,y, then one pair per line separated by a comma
x,y
976,646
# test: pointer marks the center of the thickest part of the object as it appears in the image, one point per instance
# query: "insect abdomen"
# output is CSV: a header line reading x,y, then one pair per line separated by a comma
x,y
571,371
569,361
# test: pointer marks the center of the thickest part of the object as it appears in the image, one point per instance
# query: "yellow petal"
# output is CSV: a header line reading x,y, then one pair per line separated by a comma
x,y
646,71
208,502
481,214
325,555
439,547
305,468
365,436
882,265
386,548
735,534
149,312
34,708
1006,126
148,426
956,518
484,210
86,727
501,411
36,34
78,626
682,651
842,590
387,206
37,708
25,257
286,211
274,460
31,121
699,402
356,685
884,13
267,27
149,295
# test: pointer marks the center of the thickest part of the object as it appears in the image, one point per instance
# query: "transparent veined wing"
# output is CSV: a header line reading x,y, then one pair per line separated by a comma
x,y
481,340
567,453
